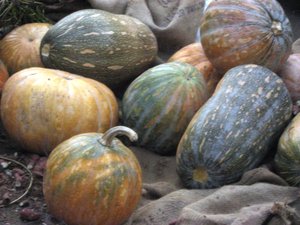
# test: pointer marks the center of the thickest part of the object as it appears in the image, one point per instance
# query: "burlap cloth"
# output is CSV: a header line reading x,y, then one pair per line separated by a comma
x,y
259,198
296,46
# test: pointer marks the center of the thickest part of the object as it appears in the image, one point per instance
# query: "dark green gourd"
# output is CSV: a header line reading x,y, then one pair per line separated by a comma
x,y
160,103
232,131
107,47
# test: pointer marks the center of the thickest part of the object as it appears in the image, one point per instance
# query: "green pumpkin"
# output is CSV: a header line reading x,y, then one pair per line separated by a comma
x,y
287,158
107,47
160,103
233,130
93,179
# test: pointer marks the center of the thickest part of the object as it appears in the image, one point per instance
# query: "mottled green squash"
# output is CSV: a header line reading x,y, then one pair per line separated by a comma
x,y
233,130
287,158
160,103
108,47
93,179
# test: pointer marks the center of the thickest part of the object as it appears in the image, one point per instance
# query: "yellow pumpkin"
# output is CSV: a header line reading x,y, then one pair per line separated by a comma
x,y
20,48
42,107
194,54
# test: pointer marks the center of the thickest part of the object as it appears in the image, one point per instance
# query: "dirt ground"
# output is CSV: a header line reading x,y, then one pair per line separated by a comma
x,y
31,209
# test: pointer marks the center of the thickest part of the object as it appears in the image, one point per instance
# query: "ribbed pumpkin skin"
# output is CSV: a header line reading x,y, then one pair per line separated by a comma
x,y
3,75
194,54
107,47
42,107
287,158
20,48
87,183
290,74
232,131
236,32
160,103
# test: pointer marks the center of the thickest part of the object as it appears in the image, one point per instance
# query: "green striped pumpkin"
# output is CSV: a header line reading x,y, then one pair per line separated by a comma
x,y
160,103
233,130
107,47
93,179
287,158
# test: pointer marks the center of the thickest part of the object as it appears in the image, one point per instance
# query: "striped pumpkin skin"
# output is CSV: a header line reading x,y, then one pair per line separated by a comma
x,y
20,48
287,158
107,47
3,75
194,54
232,131
160,103
87,183
236,32
42,107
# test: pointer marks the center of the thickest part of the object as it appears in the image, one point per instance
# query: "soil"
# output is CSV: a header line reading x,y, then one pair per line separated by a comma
x,y
15,179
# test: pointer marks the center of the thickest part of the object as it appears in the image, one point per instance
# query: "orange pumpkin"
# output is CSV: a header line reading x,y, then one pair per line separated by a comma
x,y
3,75
20,48
42,107
194,54
93,179
290,73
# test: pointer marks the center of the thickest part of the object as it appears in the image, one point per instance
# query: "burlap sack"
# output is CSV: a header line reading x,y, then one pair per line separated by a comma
x,y
259,198
174,22
296,46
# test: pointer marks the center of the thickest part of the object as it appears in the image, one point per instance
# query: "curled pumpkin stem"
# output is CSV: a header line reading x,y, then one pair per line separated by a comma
x,y
29,185
113,132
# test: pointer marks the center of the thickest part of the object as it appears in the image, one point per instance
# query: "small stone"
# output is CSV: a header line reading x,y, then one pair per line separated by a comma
x,y
24,204
29,214
4,165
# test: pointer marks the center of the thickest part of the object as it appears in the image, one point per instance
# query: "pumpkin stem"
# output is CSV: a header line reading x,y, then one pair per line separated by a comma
x,y
200,174
45,50
276,28
113,132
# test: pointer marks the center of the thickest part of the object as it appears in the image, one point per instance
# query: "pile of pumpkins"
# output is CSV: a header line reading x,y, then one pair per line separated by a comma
x,y
220,105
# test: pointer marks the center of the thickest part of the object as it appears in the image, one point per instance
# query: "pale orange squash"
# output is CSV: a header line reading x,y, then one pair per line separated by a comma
x,y
3,75
20,48
42,107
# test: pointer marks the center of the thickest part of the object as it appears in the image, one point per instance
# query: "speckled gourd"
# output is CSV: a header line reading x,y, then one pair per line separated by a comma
x,y
108,47
160,103
236,32
287,158
93,179
232,131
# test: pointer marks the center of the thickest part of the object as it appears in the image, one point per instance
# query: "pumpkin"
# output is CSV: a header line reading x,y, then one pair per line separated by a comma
x,y
287,157
3,75
236,32
194,54
108,47
93,179
290,73
19,49
160,103
42,107
232,132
